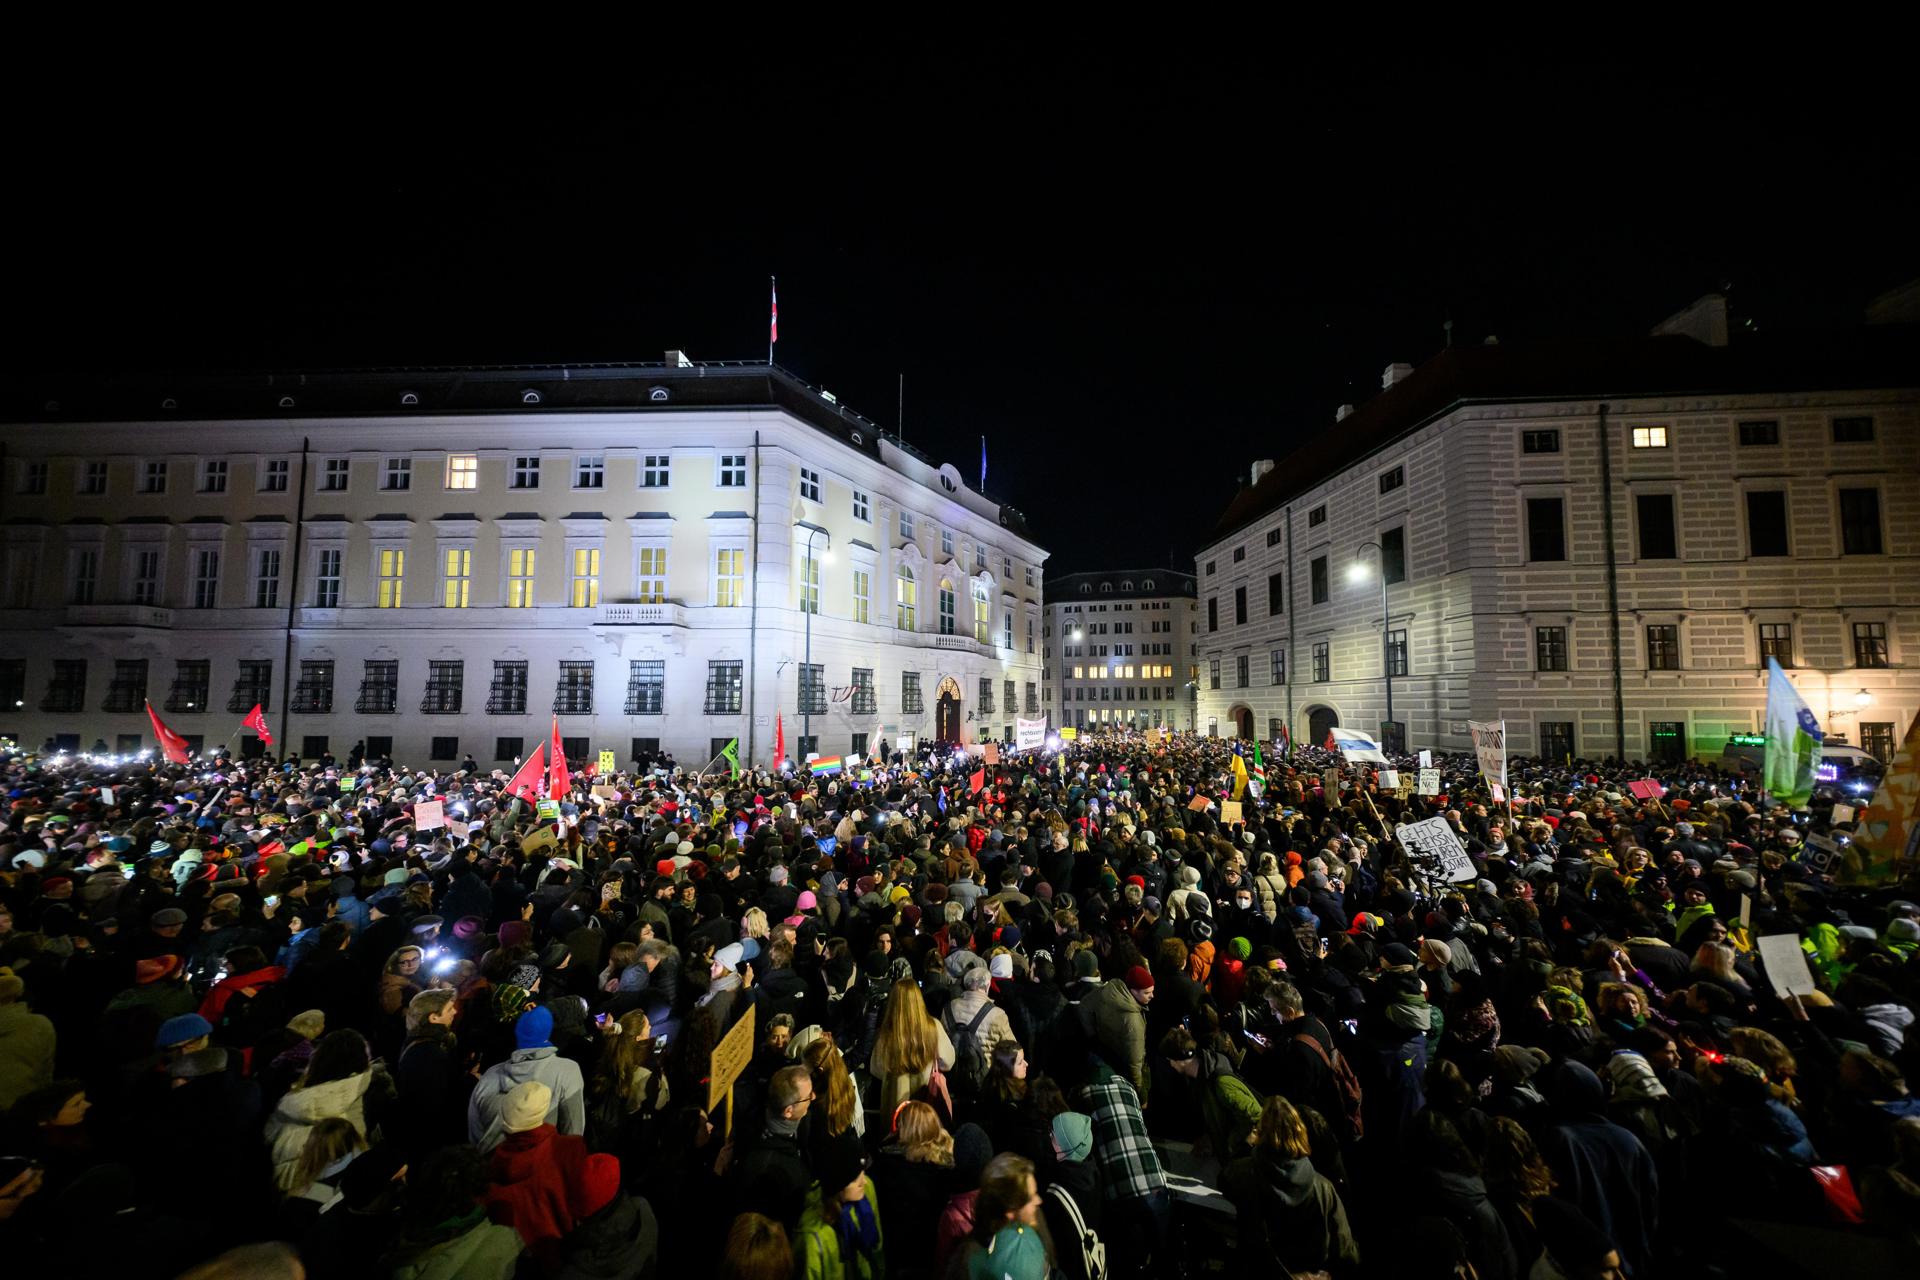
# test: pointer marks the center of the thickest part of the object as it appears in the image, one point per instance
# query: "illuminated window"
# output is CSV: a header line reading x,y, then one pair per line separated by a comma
x,y
729,577
1079,673
456,579
980,621
650,586
906,598
390,574
586,578
946,607
463,471
1649,437
520,578
862,595
809,582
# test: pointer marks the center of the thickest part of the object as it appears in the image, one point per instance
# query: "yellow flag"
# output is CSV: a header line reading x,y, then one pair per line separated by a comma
x,y
1239,777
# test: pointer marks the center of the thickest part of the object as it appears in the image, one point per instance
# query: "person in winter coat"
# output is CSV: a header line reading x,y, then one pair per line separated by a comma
x,y
1228,1107
839,1237
971,1005
907,1046
1071,1176
1449,1184
26,1043
535,1172
336,1084
915,1169
1600,1166
1291,1218
444,1231
616,1236
1116,1017
534,1058
431,1076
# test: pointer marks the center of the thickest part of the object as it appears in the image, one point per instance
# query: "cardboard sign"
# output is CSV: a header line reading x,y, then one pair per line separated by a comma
x,y
1841,813
535,841
1746,912
1490,747
1390,779
606,762
730,1058
458,829
1230,812
1434,841
1199,804
429,815
990,754
1429,782
1786,964
1646,789
602,791
1426,758
547,810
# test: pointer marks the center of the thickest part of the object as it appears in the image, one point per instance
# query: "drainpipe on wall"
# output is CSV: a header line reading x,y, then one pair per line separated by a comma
x,y
293,601
1292,670
753,605
1613,583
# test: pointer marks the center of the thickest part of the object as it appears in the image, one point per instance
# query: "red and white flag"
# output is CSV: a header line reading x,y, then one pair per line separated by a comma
x,y
557,780
172,745
257,721
773,321
779,742
526,780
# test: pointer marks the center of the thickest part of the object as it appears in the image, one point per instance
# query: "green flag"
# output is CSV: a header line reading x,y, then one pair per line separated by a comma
x,y
1793,742
731,754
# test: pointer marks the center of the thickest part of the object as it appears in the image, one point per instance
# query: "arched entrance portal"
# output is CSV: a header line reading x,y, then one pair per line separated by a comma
x,y
1242,721
946,713
1320,720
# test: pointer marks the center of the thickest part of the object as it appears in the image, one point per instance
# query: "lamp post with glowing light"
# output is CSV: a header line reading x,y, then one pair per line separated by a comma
x,y
810,605
1357,572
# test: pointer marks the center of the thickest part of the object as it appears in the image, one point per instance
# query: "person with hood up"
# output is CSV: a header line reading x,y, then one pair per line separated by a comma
x,y
534,1058
535,1172
335,1084
1292,1220
1073,1189
1229,1108
1449,1184
1600,1166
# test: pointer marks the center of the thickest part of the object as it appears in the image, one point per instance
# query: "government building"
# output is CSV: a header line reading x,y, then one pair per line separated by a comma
x,y
1599,542
1120,649
439,562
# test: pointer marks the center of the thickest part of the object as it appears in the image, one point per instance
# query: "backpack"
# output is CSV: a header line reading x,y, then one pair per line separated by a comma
x,y
1092,1250
1346,1085
970,1067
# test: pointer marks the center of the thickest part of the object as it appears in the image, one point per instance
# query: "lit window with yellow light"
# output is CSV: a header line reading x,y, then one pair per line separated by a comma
x,y
393,572
520,578
463,471
458,579
729,577
586,578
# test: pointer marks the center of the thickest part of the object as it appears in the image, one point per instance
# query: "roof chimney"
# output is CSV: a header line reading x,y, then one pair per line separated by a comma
x,y
1261,468
1704,320
1344,412
1397,372
678,360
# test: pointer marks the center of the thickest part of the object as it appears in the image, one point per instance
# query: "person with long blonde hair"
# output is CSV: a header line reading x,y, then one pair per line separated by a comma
x,y
915,1174
907,1046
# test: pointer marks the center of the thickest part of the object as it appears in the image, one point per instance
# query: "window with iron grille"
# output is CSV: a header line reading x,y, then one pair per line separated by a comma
x,y
1549,648
444,749
507,748
646,686
1870,644
1277,667
507,695
1007,690
67,690
1397,652
253,686
986,696
1241,675
858,745
1032,700
1322,662
379,690
127,691
813,689
191,676
1876,739
724,687
1213,673
573,695
645,748
864,701
313,693
1776,642
1663,648
445,681
910,702
1556,739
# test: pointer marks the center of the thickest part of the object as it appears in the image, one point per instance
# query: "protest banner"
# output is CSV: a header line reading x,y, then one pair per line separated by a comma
x,y
990,754
1786,964
1822,853
1029,735
606,762
1490,746
729,1060
1390,779
1646,789
429,815
1433,841
1199,803
1429,782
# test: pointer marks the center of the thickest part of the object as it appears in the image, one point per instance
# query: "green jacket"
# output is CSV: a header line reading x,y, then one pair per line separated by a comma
x,y
487,1251
816,1246
1228,1106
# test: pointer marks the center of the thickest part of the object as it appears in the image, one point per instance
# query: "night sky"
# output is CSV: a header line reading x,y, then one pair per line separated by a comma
x,y
1133,278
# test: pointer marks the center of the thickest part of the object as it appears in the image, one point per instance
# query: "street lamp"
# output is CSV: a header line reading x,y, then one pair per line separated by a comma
x,y
1863,699
810,602
1357,572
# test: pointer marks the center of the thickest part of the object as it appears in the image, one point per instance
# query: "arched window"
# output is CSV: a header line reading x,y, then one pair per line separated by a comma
x,y
982,624
529,397
1148,584
1106,587
1086,589
409,398
906,597
946,607
1127,585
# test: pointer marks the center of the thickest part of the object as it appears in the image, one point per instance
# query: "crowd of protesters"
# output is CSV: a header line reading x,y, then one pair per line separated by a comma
x,y
255,1021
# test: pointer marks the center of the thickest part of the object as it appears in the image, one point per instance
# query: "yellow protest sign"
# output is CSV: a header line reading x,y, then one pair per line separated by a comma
x,y
1069,734
1229,812
730,1058
535,841
606,762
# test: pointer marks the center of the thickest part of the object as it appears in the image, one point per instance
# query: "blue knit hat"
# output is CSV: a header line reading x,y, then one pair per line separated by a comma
x,y
180,1029
534,1030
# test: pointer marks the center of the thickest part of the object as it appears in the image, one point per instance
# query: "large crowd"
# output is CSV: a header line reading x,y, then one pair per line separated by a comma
x,y
1051,1013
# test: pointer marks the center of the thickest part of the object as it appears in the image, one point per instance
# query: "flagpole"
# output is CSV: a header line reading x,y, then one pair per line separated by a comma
x,y
773,320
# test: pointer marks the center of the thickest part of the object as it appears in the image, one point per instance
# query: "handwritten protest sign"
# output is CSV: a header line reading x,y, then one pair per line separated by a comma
x,y
1230,812
1199,803
1786,964
1646,788
1490,746
1429,782
429,815
729,1060
1433,841
606,762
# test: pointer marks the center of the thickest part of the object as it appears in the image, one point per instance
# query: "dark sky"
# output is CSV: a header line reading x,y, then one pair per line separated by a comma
x,y
1133,277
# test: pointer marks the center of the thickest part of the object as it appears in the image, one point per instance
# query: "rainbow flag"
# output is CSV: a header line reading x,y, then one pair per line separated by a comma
x,y
825,765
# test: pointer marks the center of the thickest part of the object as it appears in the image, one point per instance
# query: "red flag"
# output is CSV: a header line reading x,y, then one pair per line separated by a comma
x,y
557,782
979,780
779,741
1329,745
257,721
525,783
773,322
172,745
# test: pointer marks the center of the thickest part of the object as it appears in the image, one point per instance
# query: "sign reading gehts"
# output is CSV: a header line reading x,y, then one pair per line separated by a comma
x,y
1434,842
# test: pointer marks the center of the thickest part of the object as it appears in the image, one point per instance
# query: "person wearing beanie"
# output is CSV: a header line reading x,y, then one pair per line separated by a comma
x,y
1116,1014
534,1060
536,1174
839,1236
615,1234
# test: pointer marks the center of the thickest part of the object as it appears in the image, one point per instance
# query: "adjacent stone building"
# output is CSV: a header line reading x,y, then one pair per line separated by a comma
x,y
1120,649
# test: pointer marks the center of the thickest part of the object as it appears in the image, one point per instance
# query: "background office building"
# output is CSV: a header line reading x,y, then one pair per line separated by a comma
x,y
439,561
1600,542
1120,649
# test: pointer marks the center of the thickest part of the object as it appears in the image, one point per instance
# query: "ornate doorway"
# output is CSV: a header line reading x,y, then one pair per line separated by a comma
x,y
946,713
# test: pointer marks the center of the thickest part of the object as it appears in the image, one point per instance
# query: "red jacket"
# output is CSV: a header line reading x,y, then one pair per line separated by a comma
x,y
533,1174
214,1007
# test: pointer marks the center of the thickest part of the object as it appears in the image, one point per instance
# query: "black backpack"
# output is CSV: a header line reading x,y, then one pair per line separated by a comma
x,y
970,1065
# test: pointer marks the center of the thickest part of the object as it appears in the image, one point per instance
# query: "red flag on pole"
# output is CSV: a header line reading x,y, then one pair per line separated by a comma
x,y
172,745
557,781
257,721
979,780
773,321
525,783
779,742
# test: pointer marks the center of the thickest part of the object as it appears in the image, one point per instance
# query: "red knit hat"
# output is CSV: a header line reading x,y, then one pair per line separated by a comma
x,y
150,971
1137,881
1138,979
599,1183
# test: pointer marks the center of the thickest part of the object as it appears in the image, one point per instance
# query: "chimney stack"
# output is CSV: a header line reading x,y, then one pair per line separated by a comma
x,y
1344,412
1397,372
1260,469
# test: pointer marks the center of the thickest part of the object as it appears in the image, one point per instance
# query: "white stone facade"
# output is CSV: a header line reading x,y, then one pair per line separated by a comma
x,y
657,534
1484,610
1120,649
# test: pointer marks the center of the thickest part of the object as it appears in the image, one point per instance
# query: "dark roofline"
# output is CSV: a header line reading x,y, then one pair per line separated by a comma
x,y
1167,582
